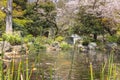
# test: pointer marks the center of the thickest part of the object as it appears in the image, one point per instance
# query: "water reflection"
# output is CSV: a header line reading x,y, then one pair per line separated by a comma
x,y
50,65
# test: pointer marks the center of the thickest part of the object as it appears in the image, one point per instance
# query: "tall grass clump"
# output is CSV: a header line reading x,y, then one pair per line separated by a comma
x,y
24,69
10,70
108,69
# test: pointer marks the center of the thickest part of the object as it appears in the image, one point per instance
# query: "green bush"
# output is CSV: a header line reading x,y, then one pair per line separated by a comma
x,y
59,38
49,41
28,38
112,38
13,39
65,46
36,47
43,40
40,40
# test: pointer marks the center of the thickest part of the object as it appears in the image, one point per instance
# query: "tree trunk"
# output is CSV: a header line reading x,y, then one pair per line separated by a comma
x,y
9,17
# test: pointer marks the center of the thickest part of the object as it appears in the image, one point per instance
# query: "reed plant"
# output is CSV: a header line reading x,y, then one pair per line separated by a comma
x,y
12,72
91,72
23,70
108,69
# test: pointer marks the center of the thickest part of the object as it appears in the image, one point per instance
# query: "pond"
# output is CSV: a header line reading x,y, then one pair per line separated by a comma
x,y
71,65
51,65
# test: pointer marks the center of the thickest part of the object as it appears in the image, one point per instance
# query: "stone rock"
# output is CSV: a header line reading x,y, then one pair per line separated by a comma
x,y
54,47
80,46
92,45
83,48
110,46
18,49
5,45
50,48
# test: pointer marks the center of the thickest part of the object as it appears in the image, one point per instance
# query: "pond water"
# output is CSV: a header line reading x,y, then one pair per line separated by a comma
x,y
70,65
51,65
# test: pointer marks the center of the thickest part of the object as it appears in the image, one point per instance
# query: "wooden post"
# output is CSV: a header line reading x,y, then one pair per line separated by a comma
x,y
9,17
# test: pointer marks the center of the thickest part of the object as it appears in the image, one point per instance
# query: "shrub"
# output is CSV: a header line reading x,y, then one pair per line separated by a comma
x,y
59,38
40,40
112,38
28,38
36,47
64,46
49,41
43,40
13,39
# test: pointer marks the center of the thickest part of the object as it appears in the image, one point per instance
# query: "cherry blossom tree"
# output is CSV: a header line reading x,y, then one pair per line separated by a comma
x,y
98,17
